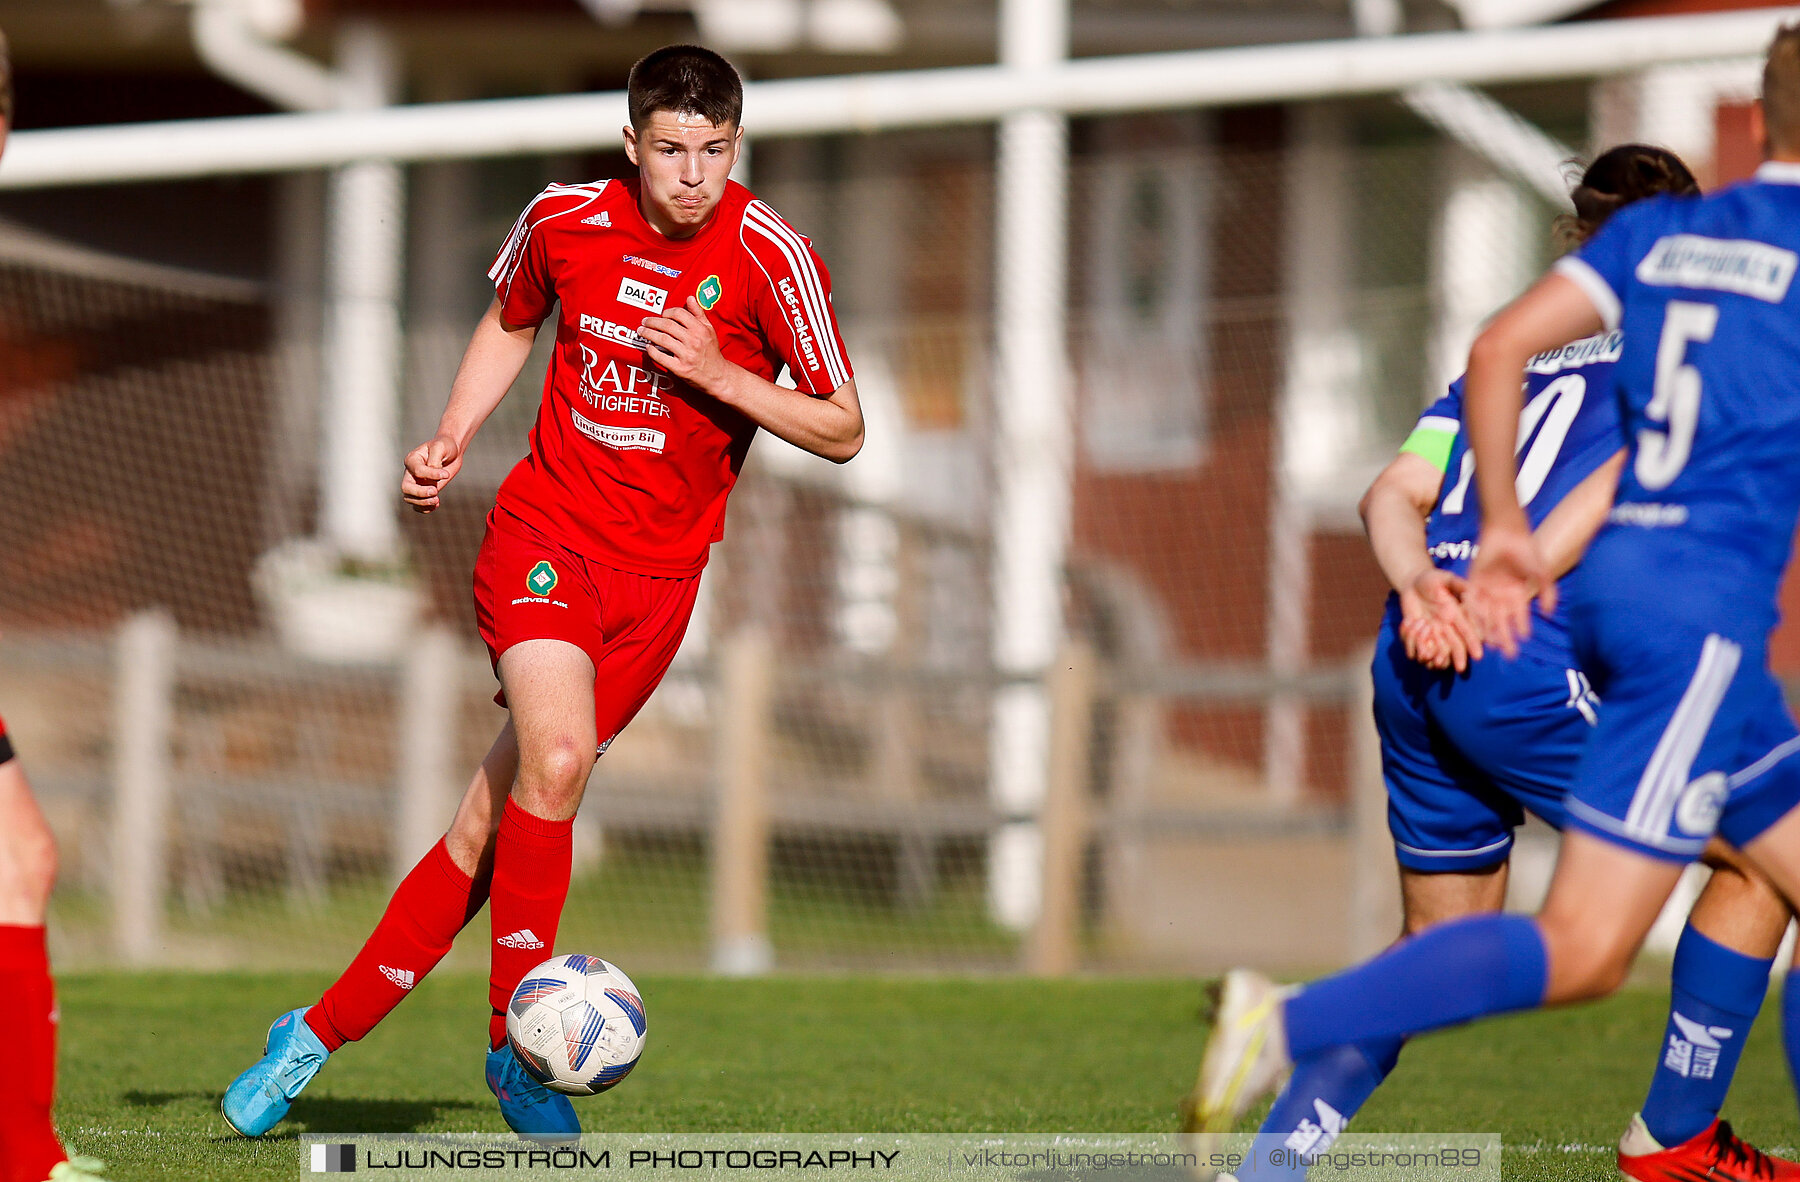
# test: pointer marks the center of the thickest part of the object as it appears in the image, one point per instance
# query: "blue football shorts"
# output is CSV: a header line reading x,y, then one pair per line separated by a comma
x,y
1466,755
1696,737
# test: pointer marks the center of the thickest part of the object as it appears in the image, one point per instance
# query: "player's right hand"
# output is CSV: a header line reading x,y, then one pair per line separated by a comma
x,y
429,467
1428,643
1435,629
1507,574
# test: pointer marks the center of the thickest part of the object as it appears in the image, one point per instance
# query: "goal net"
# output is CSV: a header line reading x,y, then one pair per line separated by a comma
x,y
242,734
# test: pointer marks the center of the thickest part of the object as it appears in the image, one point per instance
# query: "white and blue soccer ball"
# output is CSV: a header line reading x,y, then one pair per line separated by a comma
x,y
577,1024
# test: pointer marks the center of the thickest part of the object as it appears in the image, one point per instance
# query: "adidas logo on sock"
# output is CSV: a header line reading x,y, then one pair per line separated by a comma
x,y
401,977
523,938
599,219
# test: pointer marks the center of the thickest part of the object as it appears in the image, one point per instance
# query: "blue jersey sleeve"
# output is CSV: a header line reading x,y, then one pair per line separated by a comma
x,y
1603,267
1435,433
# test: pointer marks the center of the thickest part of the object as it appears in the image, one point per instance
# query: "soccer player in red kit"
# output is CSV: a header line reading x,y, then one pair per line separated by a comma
x,y
29,1149
678,298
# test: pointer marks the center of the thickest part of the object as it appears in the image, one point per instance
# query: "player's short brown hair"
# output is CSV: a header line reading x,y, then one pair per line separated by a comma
x,y
686,79
1781,89
1618,177
5,82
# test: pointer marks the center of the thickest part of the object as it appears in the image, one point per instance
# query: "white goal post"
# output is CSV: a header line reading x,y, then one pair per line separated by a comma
x,y
887,101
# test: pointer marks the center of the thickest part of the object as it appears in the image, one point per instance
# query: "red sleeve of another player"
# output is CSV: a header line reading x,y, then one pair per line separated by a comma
x,y
793,306
521,271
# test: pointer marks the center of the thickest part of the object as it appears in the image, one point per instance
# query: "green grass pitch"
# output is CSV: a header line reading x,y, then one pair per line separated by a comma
x,y
146,1056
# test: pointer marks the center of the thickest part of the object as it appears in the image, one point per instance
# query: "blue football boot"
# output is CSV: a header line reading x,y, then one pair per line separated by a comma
x,y
529,1108
258,1099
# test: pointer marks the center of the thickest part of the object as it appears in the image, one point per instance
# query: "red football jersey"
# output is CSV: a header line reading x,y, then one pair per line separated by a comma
x,y
629,464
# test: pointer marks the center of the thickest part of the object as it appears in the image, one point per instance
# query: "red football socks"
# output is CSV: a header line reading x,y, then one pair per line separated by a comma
x,y
532,862
433,903
28,1144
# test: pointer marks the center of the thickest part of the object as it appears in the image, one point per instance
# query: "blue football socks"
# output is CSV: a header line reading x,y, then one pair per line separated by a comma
x,y
1326,1090
1790,1026
1487,964
1715,994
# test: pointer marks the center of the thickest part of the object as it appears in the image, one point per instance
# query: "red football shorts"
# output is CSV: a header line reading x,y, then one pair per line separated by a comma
x,y
529,588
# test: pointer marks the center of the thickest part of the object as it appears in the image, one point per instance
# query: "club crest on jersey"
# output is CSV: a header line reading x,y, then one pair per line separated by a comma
x,y
709,292
542,579
642,295
601,219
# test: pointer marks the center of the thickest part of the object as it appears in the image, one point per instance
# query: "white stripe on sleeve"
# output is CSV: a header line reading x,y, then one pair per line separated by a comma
x,y
512,255
760,218
1598,291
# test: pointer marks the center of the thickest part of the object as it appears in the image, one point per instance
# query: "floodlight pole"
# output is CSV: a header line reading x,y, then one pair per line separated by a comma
x,y
1032,453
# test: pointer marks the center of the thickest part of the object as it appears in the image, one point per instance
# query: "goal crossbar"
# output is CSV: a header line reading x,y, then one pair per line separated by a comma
x,y
886,101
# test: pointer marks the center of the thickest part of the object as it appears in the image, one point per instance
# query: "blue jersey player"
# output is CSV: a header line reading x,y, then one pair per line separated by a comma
x,y
1463,749
1669,614
1468,743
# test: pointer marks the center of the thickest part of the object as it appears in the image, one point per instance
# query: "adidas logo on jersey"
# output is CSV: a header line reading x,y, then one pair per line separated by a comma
x,y
600,219
401,977
523,938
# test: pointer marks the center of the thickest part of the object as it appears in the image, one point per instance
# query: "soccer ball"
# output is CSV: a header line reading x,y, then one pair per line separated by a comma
x,y
577,1024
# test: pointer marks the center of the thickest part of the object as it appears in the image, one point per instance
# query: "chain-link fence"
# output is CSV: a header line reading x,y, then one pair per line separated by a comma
x,y
242,738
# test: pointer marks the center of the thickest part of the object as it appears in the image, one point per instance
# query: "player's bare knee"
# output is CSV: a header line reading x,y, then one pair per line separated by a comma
x,y
555,773
1584,977
1736,879
563,765
45,862
28,866
35,848
1604,976
1748,887
1584,964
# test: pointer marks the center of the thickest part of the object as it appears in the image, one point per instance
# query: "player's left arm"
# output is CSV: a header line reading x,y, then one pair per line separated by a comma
x,y
1509,570
683,342
1433,627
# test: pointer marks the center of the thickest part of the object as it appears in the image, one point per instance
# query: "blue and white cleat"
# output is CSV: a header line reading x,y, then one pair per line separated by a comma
x,y
529,1108
258,1099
